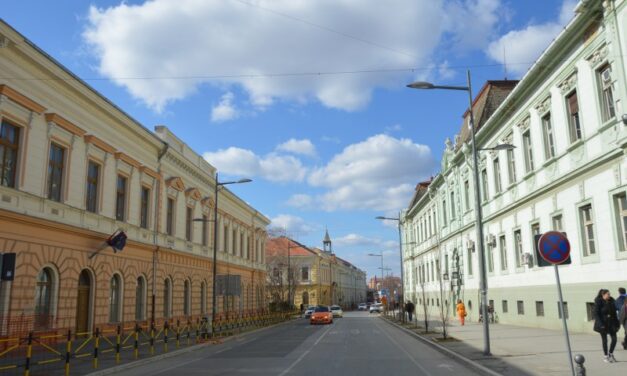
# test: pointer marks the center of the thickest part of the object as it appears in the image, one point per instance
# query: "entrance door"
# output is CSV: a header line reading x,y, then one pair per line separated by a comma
x,y
83,303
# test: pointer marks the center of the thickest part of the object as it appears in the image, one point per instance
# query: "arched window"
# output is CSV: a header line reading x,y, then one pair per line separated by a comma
x,y
115,299
203,298
167,298
187,296
140,299
44,299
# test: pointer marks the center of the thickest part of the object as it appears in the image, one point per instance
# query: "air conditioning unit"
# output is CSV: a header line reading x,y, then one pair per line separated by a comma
x,y
527,259
470,245
490,240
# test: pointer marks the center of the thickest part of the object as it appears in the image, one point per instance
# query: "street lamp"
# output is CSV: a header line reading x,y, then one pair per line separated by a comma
x,y
215,241
379,255
483,283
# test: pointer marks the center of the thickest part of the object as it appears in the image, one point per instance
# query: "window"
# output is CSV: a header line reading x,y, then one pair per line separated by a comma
x,y
466,195
511,166
469,257
453,214
574,123
520,305
203,298
518,248
604,78
490,258
528,151
43,299
547,130
9,145
557,223
225,239
170,217
55,172
93,173
444,220
504,306
140,299
590,311
484,185
233,241
120,201
167,298
205,230
559,310
115,299
189,217
145,204
620,213
187,299
304,273
497,175
539,308
535,230
503,249
587,229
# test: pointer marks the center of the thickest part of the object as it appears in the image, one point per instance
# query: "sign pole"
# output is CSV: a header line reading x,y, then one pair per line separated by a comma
x,y
559,291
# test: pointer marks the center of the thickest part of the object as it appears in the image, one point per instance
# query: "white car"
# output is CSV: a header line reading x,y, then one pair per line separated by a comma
x,y
337,311
309,311
362,307
377,307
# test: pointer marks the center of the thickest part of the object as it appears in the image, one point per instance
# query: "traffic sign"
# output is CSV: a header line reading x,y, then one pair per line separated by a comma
x,y
554,247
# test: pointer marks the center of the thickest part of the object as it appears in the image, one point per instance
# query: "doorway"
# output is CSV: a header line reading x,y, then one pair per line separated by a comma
x,y
83,303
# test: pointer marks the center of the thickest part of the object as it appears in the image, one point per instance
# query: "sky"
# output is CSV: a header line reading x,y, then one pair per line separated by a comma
x,y
307,98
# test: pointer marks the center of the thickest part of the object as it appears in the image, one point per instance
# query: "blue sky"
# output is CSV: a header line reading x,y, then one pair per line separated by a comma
x,y
307,98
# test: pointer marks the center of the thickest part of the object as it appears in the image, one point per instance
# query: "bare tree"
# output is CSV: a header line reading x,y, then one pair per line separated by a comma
x,y
282,273
424,299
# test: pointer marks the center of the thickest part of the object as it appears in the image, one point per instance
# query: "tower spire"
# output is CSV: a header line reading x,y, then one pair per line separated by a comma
x,y
326,242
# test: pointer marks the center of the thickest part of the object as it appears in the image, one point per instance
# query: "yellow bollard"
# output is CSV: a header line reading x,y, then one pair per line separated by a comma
x,y
29,353
68,352
96,344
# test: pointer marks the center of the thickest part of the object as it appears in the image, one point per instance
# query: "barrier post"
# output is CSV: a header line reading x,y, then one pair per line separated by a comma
x,y
189,324
178,333
117,346
136,344
29,353
165,336
68,352
152,338
197,330
96,343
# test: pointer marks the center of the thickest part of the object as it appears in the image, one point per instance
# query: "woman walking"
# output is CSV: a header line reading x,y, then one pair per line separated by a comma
x,y
606,322
461,311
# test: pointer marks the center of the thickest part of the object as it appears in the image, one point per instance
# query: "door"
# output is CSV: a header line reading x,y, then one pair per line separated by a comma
x,y
83,303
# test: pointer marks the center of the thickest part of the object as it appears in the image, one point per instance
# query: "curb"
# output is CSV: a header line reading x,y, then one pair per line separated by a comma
x,y
141,362
476,366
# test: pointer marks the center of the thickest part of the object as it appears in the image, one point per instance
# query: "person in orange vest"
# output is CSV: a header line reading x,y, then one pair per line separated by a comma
x,y
461,311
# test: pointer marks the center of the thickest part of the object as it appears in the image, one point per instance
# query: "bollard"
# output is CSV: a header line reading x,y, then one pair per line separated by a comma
x,y
189,324
165,336
117,346
68,352
96,343
152,338
29,353
178,333
580,369
136,344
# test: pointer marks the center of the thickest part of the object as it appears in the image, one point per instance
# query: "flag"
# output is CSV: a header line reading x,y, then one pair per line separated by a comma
x,y
117,241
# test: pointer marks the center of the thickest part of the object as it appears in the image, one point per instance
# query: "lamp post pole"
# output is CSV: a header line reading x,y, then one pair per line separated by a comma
x,y
400,252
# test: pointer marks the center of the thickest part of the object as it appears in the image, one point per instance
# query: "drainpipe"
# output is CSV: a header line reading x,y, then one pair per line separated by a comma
x,y
155,232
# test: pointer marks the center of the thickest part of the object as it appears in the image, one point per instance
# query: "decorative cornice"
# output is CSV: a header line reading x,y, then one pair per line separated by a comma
x,y
544,106
568,84
207,201
598,56
524,124
65,124
187,168
193,193
150,172
508,138
126,158
91,139
175,183
21,99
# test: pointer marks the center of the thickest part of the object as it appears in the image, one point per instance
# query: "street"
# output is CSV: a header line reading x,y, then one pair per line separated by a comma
x,y
358,344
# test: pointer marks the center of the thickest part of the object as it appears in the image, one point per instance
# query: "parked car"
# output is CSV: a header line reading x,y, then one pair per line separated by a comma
x,y
376,307
336,310
362,307
321,315
309,311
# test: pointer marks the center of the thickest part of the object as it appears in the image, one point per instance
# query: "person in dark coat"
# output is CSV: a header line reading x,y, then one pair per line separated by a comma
x,y
606,322
409,308
620,304
622,320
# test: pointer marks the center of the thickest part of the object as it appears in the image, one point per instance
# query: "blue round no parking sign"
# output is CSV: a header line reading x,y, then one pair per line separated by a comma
x,y
554,247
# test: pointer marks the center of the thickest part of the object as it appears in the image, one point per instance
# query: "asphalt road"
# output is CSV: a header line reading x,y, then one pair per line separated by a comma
x,y
358,344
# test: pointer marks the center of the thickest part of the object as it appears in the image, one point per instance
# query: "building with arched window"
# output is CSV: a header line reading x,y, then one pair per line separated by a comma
x,y
75,169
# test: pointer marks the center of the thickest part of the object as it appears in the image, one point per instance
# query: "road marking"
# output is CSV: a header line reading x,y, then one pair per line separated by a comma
x,y
406,353
288,369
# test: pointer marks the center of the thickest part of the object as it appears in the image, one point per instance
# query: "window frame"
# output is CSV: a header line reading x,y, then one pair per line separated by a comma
x,y
485,194
575,128
496,167
528,151
584,227
7,148
511,166
189,218
116,299
121,197
144,206
56,166
620,220
548,138
170,219
607,105
93,183
503,252
518,248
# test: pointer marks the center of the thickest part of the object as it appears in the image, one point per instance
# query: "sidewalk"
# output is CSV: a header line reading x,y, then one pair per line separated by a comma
x,y
520,350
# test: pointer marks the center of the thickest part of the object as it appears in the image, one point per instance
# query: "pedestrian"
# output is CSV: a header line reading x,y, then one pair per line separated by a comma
x,y
622,320
461,311
606,322
620,307
409,307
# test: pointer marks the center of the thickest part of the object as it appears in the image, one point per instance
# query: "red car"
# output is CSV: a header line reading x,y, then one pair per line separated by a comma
x,y
321,315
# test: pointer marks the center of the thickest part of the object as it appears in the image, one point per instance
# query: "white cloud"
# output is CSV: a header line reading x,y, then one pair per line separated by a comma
x,y
162,50
294,226
393,128
304,147
243,162
357,240
378,173
225,110
471,22
301,201
523,47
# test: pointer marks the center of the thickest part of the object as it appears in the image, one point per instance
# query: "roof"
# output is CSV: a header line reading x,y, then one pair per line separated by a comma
x,y
327,238
421,189
279,247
